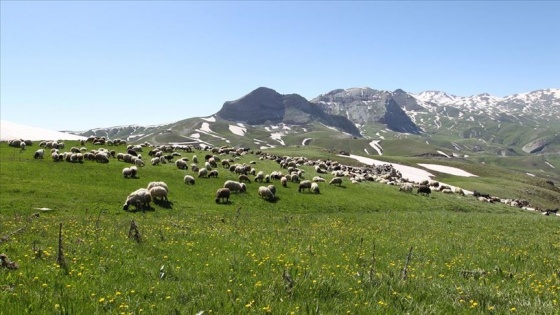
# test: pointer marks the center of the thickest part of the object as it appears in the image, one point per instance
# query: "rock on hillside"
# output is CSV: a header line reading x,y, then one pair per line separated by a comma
x,y
266,106
365,105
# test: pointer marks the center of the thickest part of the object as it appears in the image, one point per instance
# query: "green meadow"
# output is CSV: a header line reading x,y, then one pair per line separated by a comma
x,y
356,249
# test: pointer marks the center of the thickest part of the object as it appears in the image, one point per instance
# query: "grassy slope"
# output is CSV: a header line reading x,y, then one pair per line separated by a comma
x,y
344,249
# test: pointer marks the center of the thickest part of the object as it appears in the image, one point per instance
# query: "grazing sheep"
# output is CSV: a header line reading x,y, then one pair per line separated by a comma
x,y
259,177
479,194
272,188
194,168
39,154
336,181
155,161
406,188
235,186
222,194
213,173
139,162
195,159
159,192
181,164
244,178
284,181
157,184
139,199
424,190
459,191
319,179
126,172
188,179
225,164
133,171
306,184
265,193
203,172
446,191
315,188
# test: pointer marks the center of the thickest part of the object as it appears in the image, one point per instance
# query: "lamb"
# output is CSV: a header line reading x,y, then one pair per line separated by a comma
x,y
336,181
154,184
406,188
188,179
39,154
266,193
424,190
139,199
315,188
159,192
221,194
181,164
235,186
306,184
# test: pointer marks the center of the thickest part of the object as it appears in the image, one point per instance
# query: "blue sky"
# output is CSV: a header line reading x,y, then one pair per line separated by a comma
x,y
76,65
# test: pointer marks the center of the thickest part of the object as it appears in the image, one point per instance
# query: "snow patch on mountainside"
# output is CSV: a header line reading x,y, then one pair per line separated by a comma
x,y
240,131
277,136
447,169
10,130
209,119
375,144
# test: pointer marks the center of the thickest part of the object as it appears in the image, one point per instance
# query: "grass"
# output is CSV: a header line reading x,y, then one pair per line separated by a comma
x,y
344,250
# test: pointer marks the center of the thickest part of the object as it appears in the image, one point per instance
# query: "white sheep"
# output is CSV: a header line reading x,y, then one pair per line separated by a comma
x,y
155,161
213,173
133,171
188,179
272,188
203,172
126,172
159,192
155,184
259,177
266,193
306,184
315,188
284,181
181,164
39,154
139,162
406,188
139,199
319,179
235,186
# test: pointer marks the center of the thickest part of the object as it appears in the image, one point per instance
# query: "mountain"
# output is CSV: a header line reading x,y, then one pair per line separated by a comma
x,y
365,105
265,106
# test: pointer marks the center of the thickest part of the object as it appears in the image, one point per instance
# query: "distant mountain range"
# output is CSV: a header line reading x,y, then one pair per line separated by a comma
x,y
527,123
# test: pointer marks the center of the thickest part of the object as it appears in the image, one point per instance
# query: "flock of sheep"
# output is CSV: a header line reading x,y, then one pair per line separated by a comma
x,y
289,171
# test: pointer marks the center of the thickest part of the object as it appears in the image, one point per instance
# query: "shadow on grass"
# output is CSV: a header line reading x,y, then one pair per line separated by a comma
x,y
166,204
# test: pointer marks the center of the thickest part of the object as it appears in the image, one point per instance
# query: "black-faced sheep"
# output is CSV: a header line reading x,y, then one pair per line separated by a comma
x,y
272,188
39,154
188,179
222,194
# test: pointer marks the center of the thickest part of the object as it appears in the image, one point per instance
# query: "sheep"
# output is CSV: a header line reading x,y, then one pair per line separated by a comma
x,y
446,191
336,181
155,184
194,168
208,166
188,179
306,184
181,164
158,192
203,172
39,154
195,159
139,163
259,177
424,190
235,186
266,193
284,181
155,161
225,164
139,199
126,172
133,171
244,178
221,194
459,191
406,188
319,179
272,188
213,173
315,188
